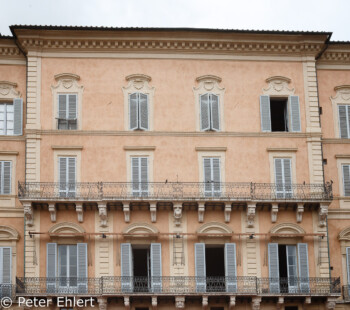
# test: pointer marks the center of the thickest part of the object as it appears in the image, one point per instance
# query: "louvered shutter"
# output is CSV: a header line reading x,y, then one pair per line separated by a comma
x,y
292,273
303,263
5,272
2,118
215,112
18,116
156,267
144,175
71,176
279,177
274,274
346,179
6,180
144,113
72,111
265,113
51,267
1,177
82,267
126,267
133,111
135,175
287,173
200,269
294,108
205,112
343,121
207,167
63,178
216,176
230,267
62,111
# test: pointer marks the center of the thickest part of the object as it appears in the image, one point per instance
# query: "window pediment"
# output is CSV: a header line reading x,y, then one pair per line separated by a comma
x,y
278,86
342,94
8,233
8,90
344,235
214,228
287,228
67,82
138,229
208,83
66,228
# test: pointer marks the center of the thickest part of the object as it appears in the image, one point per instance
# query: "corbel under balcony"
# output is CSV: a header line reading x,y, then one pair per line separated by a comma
x,y
280,303
102,303
331,303
126,210
256,303
205,302
228,209
52,210
153,210
232,302
177,213
251,214
28,213
274,211
180,302
154,302
127,302
201,209
80,211
322,215
300,211
102,212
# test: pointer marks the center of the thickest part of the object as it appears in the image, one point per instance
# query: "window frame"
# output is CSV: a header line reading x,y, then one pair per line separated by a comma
x,y
67,119
138,112
5,104
347,112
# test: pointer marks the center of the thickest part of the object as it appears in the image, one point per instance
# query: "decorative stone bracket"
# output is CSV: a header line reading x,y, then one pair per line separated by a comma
x,y
205,302
331,303
102,212
251,214
80,211
274,211
232,302
201,209
256,303
228,209
280,302
127,302
154,302
102,303
28,213
153,209
177,213
126,210
52,210
322,215
300,211
179,302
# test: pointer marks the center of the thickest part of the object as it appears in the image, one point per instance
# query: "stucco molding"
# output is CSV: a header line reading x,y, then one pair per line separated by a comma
x,y
210,149
67,76
9,153
66,228
344,235
8,90
287,228
140,228
278,86
8,233
214,228
341,97
67,147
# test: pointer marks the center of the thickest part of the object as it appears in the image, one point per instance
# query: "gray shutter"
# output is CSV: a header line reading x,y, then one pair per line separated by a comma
x,y
287,172
144,175
265,113
133,111
279,177
82,267
144,111
207,176
72,106
156,267
346,179
216,176
204,112
63,178
348,265
51,267
6,177
294,109
135,174
18,116
274,273
215,112
5,272
200,269
1,177
303,263
62,106
343,122
71,176
126,267
230,267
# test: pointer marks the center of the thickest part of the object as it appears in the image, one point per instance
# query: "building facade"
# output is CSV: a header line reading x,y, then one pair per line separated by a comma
x,y
175,168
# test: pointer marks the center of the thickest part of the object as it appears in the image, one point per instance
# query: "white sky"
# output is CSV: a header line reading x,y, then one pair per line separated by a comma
x,y
315,15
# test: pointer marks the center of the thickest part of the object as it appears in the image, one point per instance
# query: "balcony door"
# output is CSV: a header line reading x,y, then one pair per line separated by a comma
x,y
67,176
5,272
67,266
139,176
283,178
211,168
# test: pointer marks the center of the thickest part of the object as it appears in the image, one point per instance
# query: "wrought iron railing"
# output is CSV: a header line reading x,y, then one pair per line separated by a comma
x,y
7,290
346,293
177,285
174,191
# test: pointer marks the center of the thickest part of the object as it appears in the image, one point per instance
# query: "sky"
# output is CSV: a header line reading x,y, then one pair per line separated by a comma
x,y
300,15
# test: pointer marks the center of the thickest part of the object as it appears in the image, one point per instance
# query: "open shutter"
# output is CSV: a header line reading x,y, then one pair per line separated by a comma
x,y
346,179
294,108
279,177
205,112
63,178
274,273
216,176
135,175
72,112
287,173
6,177
18,116
230,267
144,175
199,255
215,112
207,169
144,111
292,273
343,121
133,111
5,272
51,267
156,267
82,267
62,111
126,267
71,176
265,113
303,263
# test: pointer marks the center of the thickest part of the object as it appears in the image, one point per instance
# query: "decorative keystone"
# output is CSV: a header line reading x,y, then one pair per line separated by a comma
x,y
251,215
177,213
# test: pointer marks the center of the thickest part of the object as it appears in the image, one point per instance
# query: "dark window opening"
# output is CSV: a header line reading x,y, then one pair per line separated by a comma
x,y
141,308
291,308
279,114
282,258
141,270
215,269
217,308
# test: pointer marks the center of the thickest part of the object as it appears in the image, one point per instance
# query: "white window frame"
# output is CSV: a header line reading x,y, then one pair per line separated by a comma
x,y
5,129
138,113
68,247
67,119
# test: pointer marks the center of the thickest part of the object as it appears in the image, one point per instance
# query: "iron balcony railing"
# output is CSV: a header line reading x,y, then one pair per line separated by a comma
x,y
177,285
174,191
7,290
346,293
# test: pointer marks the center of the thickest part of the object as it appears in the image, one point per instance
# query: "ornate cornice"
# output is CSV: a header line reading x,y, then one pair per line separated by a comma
x,y
8,48
138,77
67,76
336,54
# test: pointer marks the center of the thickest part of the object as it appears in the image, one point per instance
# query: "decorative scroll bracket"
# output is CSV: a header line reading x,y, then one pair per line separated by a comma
x,y
228,209
52,210
274,211
102,211
179,302
80,211
201,209
322,215
300,211
205,302
251,214
153,209
256,303
177,213
28,213
126,210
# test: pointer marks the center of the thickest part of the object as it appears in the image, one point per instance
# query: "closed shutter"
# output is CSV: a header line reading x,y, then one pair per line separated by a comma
x,y
5,177
144,175
348,266
230,267
346,179
135,175
207,167
205,112
294,109
265,113
62,111
292,273
344,121
126,267
143,108
5,272
287,170
62,162
216,176
274,274
156,267
139,175
18,116
72,112
133,111
303,263
51,267
67,176
2,118
82,267
71,176
215,112
283,177
200,269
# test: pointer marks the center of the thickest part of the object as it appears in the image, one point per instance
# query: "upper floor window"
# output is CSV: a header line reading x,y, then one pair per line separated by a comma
x,y
139,176
210,112
283,177
5,177
67,111
67,176
344,121
346,179
341,111
211,168
138,111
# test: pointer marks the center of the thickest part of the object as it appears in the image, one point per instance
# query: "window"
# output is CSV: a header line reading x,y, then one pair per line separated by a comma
x,y
215,268
138,111
344,121
66,268
280,114
141,268
67,176
209,112
5,177
211,168
346,179
288,268
11,117
283,177
67,111
5,272
139,176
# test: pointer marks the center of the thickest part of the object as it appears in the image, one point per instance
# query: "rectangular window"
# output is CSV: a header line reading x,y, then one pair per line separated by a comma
x,y
5,177
67,265
67,176
139,176
212,176
67,111
346,179
6,119
283,177
344,121
138,111
5,272
210,112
